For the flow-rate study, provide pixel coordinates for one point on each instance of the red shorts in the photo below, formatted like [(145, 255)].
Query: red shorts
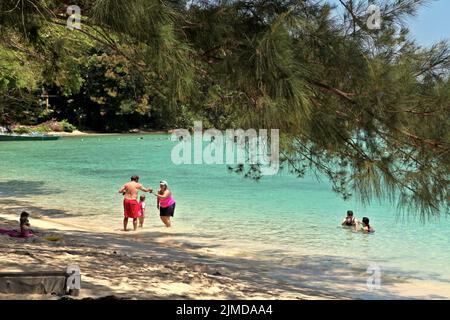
[(131, 208)]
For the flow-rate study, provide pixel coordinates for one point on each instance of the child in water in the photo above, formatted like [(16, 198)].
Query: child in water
[(366, 228), (141, 210)]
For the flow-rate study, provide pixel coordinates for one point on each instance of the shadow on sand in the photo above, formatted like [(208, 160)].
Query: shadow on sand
[(120, 261)]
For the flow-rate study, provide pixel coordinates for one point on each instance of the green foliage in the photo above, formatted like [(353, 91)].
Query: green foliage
[(18, 81), (41, 129), (46, 127), (67, 127), (22, 130)]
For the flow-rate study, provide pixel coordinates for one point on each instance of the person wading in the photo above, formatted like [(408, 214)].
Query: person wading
[(130, 202), (165, 203)]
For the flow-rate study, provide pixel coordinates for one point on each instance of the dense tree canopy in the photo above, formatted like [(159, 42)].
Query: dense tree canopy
[(368, 108)]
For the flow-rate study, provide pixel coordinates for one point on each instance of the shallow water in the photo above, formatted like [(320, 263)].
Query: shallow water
[(278, 219)]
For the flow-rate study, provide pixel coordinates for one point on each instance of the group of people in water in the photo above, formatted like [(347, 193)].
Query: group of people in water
[(135, 209), (351, 221), (165, 203)]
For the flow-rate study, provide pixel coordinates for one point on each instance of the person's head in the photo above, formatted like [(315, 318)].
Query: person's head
[(142, 197), (163, 185), (135, 178), (24, 217), (365, 221), (349, 214)]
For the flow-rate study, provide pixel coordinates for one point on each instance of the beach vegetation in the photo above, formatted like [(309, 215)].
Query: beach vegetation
[(66, 126), (22, 130)]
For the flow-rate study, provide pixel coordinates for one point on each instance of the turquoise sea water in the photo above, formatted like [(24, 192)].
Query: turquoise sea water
[(279, 216)]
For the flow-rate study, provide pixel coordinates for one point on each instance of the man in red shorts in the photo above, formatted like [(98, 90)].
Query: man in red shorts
[(130, 202)]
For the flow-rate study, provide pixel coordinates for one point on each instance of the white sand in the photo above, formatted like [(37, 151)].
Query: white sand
[(149, 264)]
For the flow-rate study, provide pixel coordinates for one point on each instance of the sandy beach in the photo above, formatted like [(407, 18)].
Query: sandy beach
[(152, 264), (129, 265)]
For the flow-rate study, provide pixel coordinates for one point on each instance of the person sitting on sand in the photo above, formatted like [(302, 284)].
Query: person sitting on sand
[(349, 220), (165, 203), (25, 231), (24, 224), (130, 203), (366, 228), (141, 210)]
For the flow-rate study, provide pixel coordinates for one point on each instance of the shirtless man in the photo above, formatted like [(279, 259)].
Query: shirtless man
[(130, 203)]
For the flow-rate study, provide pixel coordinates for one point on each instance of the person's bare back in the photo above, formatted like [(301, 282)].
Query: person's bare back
[(131, 188)]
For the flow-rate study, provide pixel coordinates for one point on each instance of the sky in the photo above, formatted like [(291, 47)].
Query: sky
[(432, 23)]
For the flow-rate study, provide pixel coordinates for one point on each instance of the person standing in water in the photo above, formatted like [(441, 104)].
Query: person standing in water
[(141, 210), (165, 203), (130, 204)]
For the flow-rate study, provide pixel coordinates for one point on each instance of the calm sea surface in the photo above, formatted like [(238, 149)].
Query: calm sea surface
[(280, 217)]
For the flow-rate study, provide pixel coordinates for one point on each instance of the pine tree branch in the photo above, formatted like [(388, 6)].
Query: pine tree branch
[(356, 20), (433, 65), (415, 112), (347, 97), (324, 87)]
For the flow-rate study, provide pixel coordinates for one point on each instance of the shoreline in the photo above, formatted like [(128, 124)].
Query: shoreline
[(126, 264), (78, 133), (153, 264)]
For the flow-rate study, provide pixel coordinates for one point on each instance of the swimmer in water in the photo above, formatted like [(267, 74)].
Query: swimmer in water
[(366, 228), (349, 220)]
